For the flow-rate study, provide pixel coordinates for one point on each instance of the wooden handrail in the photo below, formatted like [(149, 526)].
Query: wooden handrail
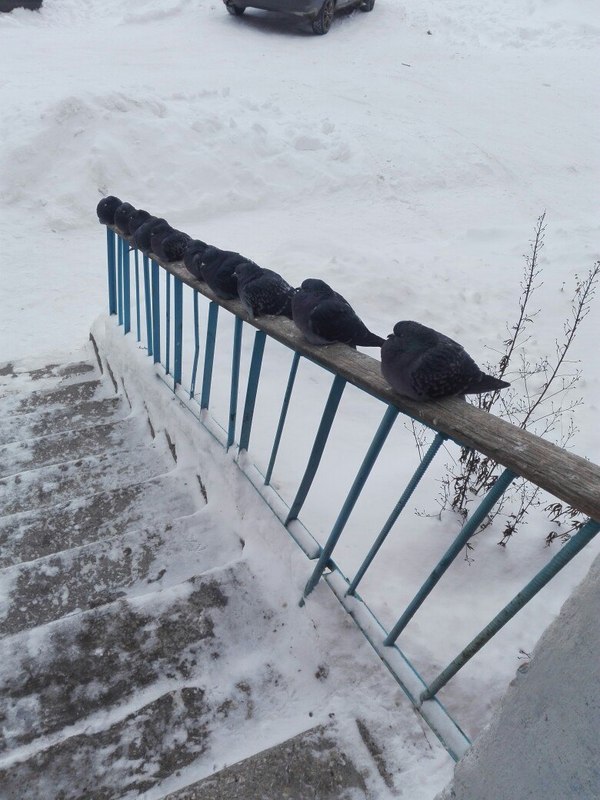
[(569, 477)]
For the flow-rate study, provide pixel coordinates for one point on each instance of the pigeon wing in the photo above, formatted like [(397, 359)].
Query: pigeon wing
[(269, 294), (444, 370), (334, 320)]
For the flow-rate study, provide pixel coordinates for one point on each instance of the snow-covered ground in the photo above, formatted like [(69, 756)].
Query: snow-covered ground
[(404, 158)]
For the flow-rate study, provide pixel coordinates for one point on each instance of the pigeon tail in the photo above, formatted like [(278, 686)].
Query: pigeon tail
[(485, 383), (370, 340)]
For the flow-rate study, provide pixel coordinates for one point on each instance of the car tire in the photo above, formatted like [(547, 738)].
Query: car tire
[(367, 5), (322, 22), (236, 11)]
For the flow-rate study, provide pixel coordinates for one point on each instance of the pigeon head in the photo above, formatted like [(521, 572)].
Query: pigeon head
[(211, 254), (137, 218), (195, 250), (122, 215), (316, 287), (106, 209), (414, 336)]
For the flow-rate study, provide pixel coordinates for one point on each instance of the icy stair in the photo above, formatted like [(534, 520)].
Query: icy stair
[(119, 614)]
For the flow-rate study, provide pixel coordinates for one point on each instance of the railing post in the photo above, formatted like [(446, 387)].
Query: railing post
[(369, 460), (552, 568), (329, 412), (209, 353), (126, 287), (196, 346), (178, 332), (235, 379), (167, 322), (253, 377), (112, 271), (119, 280), (155, 312), (137, 296), (412, 485), (483, 509), (282, 416), (148, 303)]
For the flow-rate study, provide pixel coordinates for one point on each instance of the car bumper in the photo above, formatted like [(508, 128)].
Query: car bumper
[(301, 7)]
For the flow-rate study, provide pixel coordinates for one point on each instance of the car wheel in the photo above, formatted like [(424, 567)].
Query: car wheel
[(322, 22), (367, 5), (237, 11)]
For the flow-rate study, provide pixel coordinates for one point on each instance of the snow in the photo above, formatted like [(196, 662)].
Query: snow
[(404, 158)]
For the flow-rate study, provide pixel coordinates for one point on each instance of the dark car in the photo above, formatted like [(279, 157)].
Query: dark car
[(319, 12)]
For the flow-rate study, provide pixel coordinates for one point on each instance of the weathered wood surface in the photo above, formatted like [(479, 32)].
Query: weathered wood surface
[(570, 478)]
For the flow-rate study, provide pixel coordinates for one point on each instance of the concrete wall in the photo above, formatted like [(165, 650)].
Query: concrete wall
[(544, 741)]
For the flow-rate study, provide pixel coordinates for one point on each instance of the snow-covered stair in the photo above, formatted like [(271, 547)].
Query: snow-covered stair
[(125, 612)]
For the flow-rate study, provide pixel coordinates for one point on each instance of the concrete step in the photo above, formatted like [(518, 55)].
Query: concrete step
[(20, 427), (28, 375), (124, 759), (131, 564), (56, 448), (48, 486), (308, 766), (31, 535), (56, 399), (59, 675)]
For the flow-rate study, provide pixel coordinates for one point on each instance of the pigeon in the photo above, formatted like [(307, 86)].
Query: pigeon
[(172, 246), (106, 209), (141, 238), (263, 291), (159, 232), (324, 317), (136, 219), (218, 268), (122, 215), (192, 257), (422, 364)]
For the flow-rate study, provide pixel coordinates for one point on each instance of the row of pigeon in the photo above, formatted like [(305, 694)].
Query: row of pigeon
[(417, 361)]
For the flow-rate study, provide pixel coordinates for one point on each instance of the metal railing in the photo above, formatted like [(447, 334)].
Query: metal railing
[(158, 325)]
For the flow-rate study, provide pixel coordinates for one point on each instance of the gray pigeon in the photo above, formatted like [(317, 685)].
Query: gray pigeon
[(172, 247), (106, 209), (142, 236), (192, 257), (159, 232), (263, 291), (325, 317), (122, 215), (217, 269), (136, 219), (421, 363)]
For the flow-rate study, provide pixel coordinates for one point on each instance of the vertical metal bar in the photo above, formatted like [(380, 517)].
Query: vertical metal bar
[(178, 329), (329, 412), (112, 272), (253, 376), (196, 346), (363, 473), (235, 378), (209, 353), (412, 485), (137, 296), (148, 303), (126, 287), (474, 521), (168, 322), (155, 312), (119, 280), (284, 409), (552, 568)]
